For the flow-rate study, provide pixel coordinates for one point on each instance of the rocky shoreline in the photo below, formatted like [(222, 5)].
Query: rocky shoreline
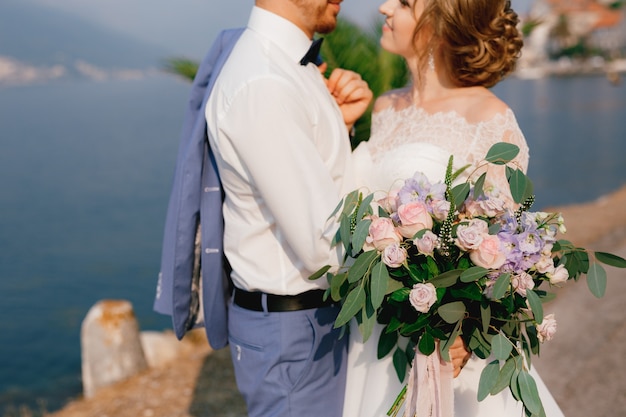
[(199, 382)]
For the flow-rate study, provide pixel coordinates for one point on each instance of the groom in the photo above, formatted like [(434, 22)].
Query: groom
[(278, 136)]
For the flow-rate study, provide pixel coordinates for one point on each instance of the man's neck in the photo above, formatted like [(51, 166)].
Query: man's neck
[(288, 10)]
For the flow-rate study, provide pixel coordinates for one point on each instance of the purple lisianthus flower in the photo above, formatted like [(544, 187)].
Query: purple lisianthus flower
[(419, 188), (529, 222), (530, 242), (510, 246)]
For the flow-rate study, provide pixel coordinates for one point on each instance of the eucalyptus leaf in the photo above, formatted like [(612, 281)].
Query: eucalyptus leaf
[(336, 283), (336, 210), (488, 379), (320, 272), (452, 312), (501, 347), (368, 320), (610, 259), (518, 183), (447, 279), (529, 392), (345, 230), (361, 265), (353, 304), (379, 284), (445, 344), (479, 185), (596, 280), (351, 202), (505, 376), (473, 274), (535, 305), (365, 207), (502, 153), (459, 171), (480, 343), (501, 286), (460, 193), (361, 231), (393, 286), (485, 317)]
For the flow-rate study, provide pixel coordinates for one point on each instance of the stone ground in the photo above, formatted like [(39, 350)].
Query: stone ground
[(583, 365)]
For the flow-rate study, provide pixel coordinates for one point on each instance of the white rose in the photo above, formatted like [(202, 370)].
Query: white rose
[(547, 328), (522, 282), (427, 243), (470, 236), (545, 265), (394, 255), (423, 296), (559, 275)]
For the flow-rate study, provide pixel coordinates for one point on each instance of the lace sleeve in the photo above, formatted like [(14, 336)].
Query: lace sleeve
[(505, 130)]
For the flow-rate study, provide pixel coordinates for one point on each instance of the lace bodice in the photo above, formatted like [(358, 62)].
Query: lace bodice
[(410, 139)]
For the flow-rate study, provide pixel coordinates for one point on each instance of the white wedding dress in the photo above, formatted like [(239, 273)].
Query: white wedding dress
[(404, 141)]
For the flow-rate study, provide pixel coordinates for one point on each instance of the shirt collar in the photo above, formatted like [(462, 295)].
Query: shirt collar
[(280, 31)]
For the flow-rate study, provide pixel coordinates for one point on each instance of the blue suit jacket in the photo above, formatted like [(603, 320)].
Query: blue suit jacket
[(195, 206)]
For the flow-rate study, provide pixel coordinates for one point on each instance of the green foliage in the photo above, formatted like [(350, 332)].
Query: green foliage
[(353, 48), (484, 306), (183, 67)]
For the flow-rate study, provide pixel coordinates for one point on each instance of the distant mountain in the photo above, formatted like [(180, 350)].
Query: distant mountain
[(40, 36)]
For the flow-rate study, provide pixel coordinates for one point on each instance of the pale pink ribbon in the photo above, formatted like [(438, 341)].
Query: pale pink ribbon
[(430, 392)]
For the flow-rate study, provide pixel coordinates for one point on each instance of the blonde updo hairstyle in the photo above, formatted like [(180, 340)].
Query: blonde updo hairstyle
[(476, 41)]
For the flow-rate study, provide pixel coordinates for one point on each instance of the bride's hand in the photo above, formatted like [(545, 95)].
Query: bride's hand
[(459, 355), (351, 93)]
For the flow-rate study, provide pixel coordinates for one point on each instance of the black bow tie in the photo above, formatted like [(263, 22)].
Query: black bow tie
[(313, 54)]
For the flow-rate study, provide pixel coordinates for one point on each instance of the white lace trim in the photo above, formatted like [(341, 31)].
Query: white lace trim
[(469, 142)]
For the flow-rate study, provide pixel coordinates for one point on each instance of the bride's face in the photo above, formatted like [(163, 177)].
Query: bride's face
[(398, 32)]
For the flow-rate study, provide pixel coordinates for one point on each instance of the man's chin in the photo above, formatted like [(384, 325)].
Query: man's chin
[(328, 25)]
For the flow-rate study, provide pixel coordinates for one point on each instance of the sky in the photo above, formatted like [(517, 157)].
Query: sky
[(187, 27)]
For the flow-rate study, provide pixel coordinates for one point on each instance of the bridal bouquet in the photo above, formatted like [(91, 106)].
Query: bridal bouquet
[(432, 261)]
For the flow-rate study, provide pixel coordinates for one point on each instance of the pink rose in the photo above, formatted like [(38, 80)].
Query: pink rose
[(522, 282), (491, 206), (414, 216), (547, 328), (489, 253), (394, 255), (382, 233), (423, 296), (389, 203), (559, 275), (440, 209), (427, 243), (470, 236)]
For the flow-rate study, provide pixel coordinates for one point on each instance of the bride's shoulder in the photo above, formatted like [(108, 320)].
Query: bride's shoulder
[(486, 106), (395, 99)]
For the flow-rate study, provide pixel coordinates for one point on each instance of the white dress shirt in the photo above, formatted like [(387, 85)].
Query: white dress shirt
[(283, 155)]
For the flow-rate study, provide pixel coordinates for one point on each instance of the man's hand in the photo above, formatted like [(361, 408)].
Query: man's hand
[(459, 355), (351, 93)]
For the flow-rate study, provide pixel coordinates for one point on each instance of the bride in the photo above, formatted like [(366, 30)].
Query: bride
[(455, 51)]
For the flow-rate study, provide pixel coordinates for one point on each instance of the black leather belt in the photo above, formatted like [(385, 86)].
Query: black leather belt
[(278, 303)]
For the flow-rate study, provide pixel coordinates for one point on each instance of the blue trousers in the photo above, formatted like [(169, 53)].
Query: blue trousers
[(289, 364)]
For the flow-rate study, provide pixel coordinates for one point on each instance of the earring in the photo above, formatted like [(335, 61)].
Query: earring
[(431, 60)]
